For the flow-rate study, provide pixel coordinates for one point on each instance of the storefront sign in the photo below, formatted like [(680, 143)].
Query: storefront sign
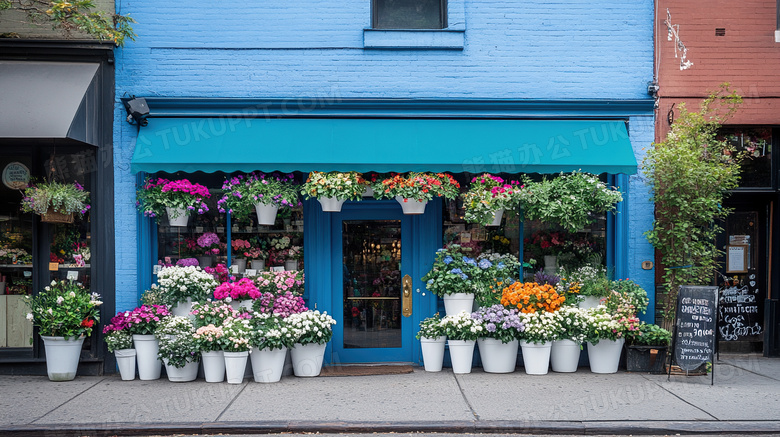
[(16, 176), (694, 340)]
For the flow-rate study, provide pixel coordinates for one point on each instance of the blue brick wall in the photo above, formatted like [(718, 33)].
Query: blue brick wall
[(513, 49)]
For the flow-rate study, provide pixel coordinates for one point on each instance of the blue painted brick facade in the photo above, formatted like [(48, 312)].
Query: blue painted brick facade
[(512, 49)]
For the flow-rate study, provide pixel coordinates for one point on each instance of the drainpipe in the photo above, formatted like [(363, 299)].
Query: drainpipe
[(777, 26)]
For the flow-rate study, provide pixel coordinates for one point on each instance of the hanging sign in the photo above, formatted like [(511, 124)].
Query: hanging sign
[(16, 176)]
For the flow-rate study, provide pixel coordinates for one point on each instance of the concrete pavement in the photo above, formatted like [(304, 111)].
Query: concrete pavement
[(745, 399)]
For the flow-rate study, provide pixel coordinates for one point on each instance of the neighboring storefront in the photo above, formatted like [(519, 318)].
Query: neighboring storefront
[(55, 124)]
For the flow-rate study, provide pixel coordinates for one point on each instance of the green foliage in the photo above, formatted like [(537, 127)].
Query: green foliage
[(488, 193), (179, 351), (649, 335), (64, 309), (62, 198), (691, 173), (75, 15), (116, 340), (342, 186), (451, 272), (431, 327)]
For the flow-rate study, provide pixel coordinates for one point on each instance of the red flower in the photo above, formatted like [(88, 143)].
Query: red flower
[(87, 323)]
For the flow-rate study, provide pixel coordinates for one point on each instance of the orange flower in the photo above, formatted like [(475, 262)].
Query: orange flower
[(530, 296)]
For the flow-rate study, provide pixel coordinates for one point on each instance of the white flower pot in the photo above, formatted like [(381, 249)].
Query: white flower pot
[(213, 366), (182, 374), (267, 364), (266, 214), (125, 360), (604, 357), (240, 264), (536, 357), (235, 366), (497, 216), (182, 309), (291, 265), (461, 355), (411, 206), (182, 216), (307, 359), (498, 357), (368, 192), (205, 261), (565, 356), (146, 349), (550, 264), (331, 204), (433, 352), (457, 302), (246, 304), (589, 302), (258, 264), (62, 357)]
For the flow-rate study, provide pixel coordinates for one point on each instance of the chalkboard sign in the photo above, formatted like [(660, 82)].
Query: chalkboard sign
[(741, 311), (694, 341)]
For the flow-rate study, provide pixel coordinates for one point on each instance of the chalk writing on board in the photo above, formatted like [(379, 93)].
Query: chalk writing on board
[(696, 324), (740, 315)]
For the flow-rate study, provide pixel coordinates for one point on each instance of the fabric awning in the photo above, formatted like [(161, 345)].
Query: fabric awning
[(383, 145), (49, 100)]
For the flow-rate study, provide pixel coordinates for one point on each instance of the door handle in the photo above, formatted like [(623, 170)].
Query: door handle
[(406, 299)]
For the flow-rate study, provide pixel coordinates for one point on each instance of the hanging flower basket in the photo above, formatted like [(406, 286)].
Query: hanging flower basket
[(56, 202), (488, 197), (334, 188), (52, 216), (414, 190)]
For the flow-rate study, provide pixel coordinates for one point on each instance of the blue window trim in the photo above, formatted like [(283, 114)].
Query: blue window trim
[(452, 37)]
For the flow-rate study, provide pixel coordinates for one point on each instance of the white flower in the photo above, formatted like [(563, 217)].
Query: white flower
[(30, 317), (53, 283), (49, 311), (60, 300), (72, 294)]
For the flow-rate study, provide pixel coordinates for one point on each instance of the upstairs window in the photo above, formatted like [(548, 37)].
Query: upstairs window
[(409, 14)]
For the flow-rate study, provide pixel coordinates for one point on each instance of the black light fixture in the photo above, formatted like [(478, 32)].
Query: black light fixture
[(137, 111)]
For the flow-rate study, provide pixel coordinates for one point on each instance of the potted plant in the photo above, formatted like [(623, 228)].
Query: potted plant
[(256, 257), (259, 192), (181, 286), (64, 313), (646, 348), (548, 245), (501, 327), (209, 245), (292, 256), (212, 313), (141, 323), (605, 336), (309, 333), (56, 202), (239, 294), (494, 271), (178, 349), (488, 197), (462, 333), (208, 340), (237, 334), (450, 277), (334, 188), (119, 341), (566, 348), (541, 329), (269, 347), (590, 283), (176, 198), (432, 340), (530, 297), (414, 190), (239, 247)]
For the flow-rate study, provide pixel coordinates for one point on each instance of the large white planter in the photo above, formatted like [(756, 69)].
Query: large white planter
[(62, 357), (213, 366), (497, 216), (258, 264), (498, 357), (182, 216), (457, 302), (589, 302), (536, 357), (146, 349), (433, 353), (461, 355), (182, 374), (604, 357), (182, 309), (125, 360), (291, 265), (331, 204), (307, 359), (268, 364), (235, 366), (564, 356), (411, 206), (550, 264), (266, 214)]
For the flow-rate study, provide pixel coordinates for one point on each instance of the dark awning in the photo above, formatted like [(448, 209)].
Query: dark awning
[(56, 100), (383, 145)]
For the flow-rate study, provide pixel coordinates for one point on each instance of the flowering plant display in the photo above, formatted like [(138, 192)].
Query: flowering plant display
[(243, 192), (64, 309), (62, 198), (212, 313), (417, 186), (15, 256), (631, 292), (187, 248), (117, 340), (451, 272), (310, 327), (294, 252), (488, 193), (586, 281), (281, 282), (245, 288), (494, 272), (237, 334), (179, 283), (648, 335), (540, 277), (240, 245), (142, 320), (282, 305), (540, 327), (572, 324), (256, 253), (544, 242), (269, 332), (499, 323), (462, 327), (569, 200), (279, 243), (173, 325), (342, 186), (176, 341), (530, 297), (600, 324), (431, 327), (186, 262), (155, 195), (209, 243), (220, 273), (152, 296), (208, 338)]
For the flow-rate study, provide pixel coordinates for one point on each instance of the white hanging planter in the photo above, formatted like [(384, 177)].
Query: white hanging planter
[(62, 357), (433, 352), (564, 356), (536, 357), (604, 357), (146, 349), (368, 192), (182, 216), (498, 357), (497, 216), (268, 364), (125, 360), (457, 302), (411, 206), (266, 214), (461, 355), (213, 366), (331, 204)]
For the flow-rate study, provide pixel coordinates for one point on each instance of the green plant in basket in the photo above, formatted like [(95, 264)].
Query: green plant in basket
[(649, 335), (431, 327), (62, 198), (342, 186)]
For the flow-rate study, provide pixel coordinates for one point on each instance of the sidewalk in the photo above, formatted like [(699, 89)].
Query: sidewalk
[(745, 399)]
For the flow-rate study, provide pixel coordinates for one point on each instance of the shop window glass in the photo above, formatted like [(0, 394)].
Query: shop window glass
[(756, 143), (409, 14)]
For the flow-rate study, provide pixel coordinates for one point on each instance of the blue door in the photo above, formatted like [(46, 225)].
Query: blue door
[(371, 255)]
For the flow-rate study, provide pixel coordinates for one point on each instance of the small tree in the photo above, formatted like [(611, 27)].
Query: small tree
[(691, 173)]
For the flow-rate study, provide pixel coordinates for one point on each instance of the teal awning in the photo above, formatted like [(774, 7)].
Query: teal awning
[(383, 145)]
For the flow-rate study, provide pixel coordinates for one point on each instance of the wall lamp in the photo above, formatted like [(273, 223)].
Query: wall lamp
[(137, 111)]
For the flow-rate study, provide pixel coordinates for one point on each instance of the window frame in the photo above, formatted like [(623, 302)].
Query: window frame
[(442, 18)]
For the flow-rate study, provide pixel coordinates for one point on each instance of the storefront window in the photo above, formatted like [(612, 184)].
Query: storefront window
[(756, 144)]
